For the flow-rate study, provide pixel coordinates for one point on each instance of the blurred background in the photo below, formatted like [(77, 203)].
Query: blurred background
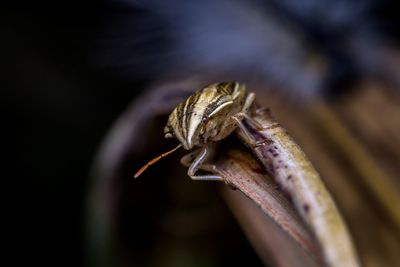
[(330, 71)]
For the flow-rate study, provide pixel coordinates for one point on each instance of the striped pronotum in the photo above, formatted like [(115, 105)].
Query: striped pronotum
[(206, 115)]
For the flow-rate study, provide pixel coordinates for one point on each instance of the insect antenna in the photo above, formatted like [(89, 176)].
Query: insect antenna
[(151, 162)]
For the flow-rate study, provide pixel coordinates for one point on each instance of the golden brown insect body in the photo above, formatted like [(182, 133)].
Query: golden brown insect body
[(207, 116)]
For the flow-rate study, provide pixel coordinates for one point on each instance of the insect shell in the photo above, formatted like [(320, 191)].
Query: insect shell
[(206, 115)]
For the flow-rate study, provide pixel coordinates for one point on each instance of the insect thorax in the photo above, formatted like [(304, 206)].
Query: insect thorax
[(206, 115)]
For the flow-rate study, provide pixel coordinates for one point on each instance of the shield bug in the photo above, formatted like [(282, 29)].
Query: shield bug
[(207, 116)]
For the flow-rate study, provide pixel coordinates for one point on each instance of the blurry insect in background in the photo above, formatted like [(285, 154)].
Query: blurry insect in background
[(207, 116)]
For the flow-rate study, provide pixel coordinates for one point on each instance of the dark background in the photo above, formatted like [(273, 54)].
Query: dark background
[(57, 109), (58, 102)]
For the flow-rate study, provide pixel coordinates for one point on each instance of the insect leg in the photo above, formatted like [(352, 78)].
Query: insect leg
[(253, 123), (198, 163), (238, 118), (188, 159), (248, 102), (244, 114)]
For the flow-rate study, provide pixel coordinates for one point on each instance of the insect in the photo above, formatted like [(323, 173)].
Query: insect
[(207, 116)]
